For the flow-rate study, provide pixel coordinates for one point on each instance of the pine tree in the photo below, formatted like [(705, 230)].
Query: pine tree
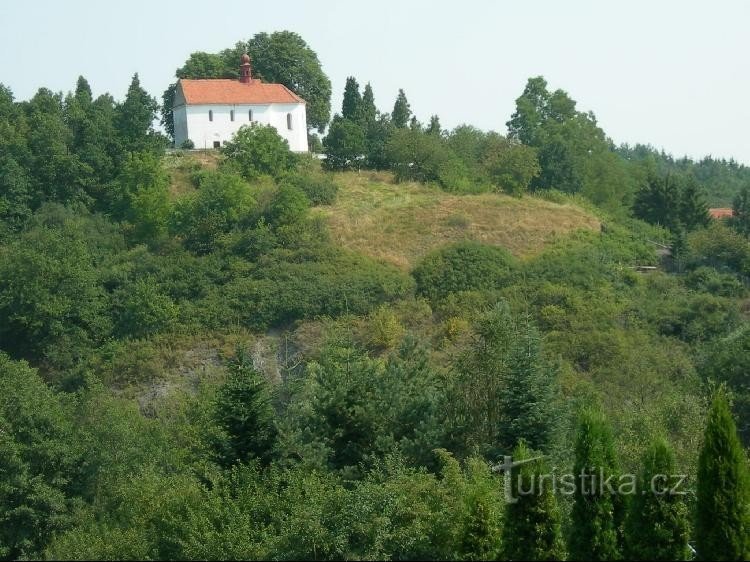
[(596, 511), (414, 124), (722, 529), (693, 209), (368, 111), (531, 529), (434, 127), (244, 411), (528, 388), (657, 524), (135, 118), (401, 111), (352, 104), (741, 209), (83, 92)]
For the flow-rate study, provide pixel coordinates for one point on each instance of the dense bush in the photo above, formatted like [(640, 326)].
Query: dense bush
[(284, 288), (463, 267), (257, 150), (320, 188)]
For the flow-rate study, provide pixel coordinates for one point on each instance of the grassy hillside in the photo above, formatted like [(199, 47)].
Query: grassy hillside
[(402, 222)]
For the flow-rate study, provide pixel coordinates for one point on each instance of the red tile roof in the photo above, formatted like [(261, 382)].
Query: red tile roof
[(720, 213), (222, 91)]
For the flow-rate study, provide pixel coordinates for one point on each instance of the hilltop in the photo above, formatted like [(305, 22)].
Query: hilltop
[(401, 222)]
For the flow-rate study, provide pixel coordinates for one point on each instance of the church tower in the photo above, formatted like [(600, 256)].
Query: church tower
[(245, 77)]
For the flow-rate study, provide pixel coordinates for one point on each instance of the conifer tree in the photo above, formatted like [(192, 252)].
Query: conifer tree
[(83, 92), (531, 529), (741, 209), (401, 111), (135, 118), (368, 111), (244, 411), (528, 389), (434, 127), (722, 529), (596, 511), (657, 524), (352, 104), (693, 209)]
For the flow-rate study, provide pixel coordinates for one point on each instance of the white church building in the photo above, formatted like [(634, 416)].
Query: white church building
[(209, 112)]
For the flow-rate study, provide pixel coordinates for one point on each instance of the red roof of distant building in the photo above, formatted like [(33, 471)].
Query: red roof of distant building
[(221, 91), (721, 213)]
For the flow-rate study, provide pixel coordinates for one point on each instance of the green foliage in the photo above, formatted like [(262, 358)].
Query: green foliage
[(597, 511), (344, 145), (401, 111), (350, 410), (222, 202), (288, 207), (244, 411), (49, 292), (289, 286), (722, 528), (283, 57), (672, 201), (319, 187), (719, 247), (503, 386), (351, 107), (463, 266), (657, 523), (723, 179), (531, 528), (143, 197), (39, 457), (416, 156), (257, 150), (134, 119), (510, 165), (143, 310)]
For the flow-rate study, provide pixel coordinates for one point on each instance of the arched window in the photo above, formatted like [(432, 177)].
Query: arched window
[(289, 121), (250, 115), (210, 114), (231, 114)]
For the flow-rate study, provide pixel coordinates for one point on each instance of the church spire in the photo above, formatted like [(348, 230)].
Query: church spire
[(245, 77)]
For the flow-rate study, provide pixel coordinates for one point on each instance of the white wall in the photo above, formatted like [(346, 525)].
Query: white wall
[(192, 122)]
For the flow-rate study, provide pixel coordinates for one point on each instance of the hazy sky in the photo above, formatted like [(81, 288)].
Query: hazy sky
[(673, 73)]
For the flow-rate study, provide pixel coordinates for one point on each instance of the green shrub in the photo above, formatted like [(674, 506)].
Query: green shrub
[(320, 188), (257, 150), (464, 266), (187, 144), (143, 310)]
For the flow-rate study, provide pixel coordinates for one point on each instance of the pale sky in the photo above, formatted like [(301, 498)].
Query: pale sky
[(672, 73)]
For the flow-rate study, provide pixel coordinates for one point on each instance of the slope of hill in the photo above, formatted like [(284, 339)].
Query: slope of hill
[(400, 223)]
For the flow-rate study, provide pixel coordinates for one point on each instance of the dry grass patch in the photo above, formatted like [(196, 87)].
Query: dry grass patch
[(182, 164), (400, 223)]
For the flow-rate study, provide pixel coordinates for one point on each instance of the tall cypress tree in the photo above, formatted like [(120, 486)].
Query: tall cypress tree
[(531, 529), (597, 513), (135, 118), (434, 127), (401, 111), (352, 104), (722, 529), (657, 523), (368, 111)]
